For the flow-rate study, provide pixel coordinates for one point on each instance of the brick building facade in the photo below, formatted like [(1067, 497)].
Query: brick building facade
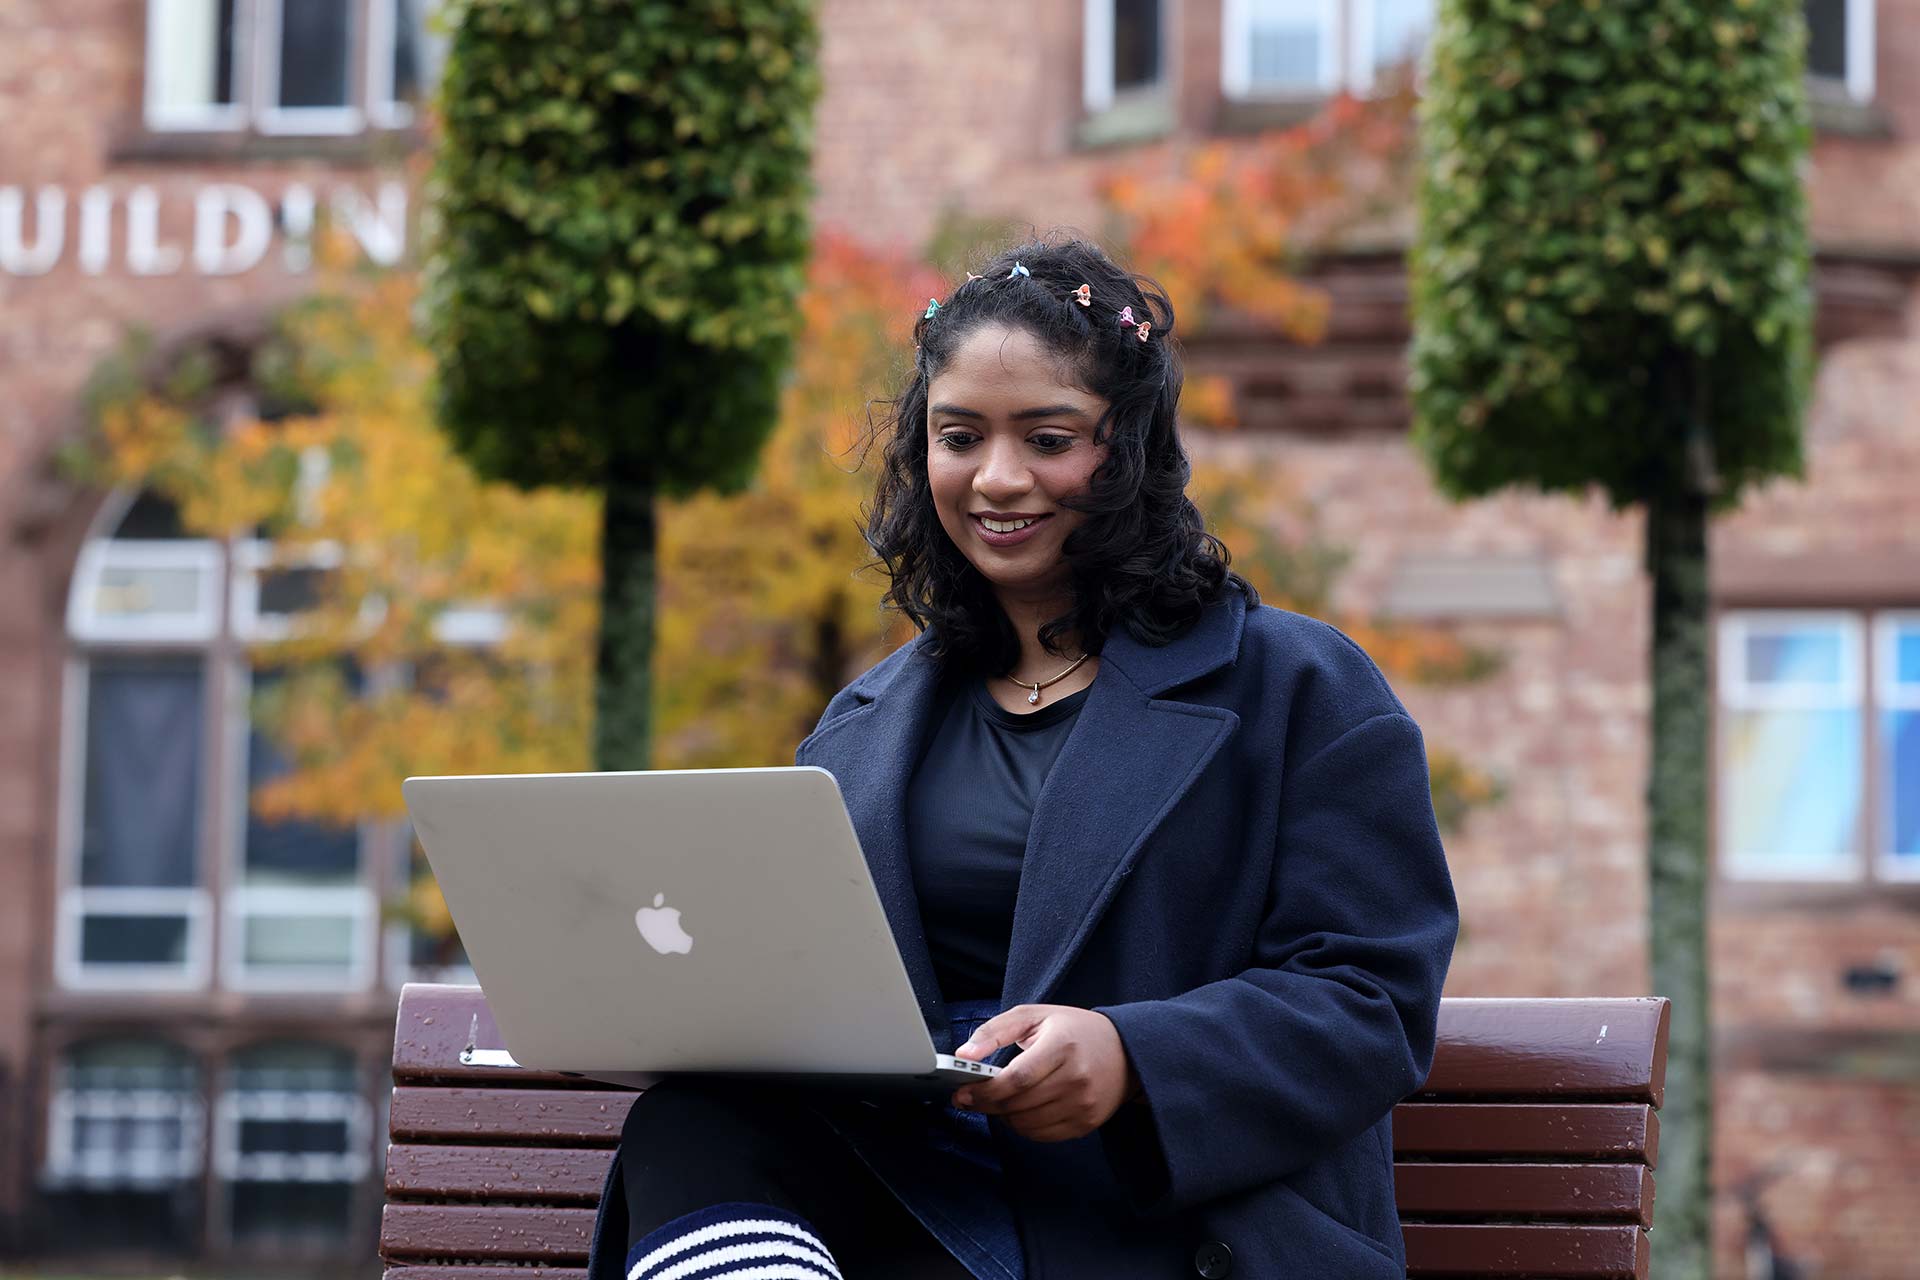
[(207, 1048)]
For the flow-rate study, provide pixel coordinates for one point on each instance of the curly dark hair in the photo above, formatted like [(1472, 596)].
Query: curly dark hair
[(1142, 558)]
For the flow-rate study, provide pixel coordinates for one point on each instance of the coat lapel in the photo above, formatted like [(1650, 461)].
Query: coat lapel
[(1129, 759), (870, 751)]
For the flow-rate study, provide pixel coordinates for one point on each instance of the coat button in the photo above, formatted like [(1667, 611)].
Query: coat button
[(1213, 1260)]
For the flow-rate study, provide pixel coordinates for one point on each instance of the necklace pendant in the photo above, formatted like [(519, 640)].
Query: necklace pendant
[(1034, 696)]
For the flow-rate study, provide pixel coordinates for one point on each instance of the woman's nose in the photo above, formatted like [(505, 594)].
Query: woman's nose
[(1002, 471)]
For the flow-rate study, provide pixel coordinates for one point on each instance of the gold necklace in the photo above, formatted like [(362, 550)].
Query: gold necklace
[(1034, 696)]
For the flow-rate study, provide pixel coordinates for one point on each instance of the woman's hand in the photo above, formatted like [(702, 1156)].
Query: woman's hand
[(1071, 1076)]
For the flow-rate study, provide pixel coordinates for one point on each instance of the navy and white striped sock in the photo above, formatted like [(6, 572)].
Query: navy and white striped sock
[(739, 1240)]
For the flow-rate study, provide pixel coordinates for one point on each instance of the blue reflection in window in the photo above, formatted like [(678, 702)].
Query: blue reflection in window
[(1900, 732), (1793, 790), (1906, 655), (1793, 657)]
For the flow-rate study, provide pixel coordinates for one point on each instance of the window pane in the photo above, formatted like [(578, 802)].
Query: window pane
[(1827, 38), (1900, 734), (126, 1114), (1906, 657), (315, 49), (293, 1152), (191, 54), (1792, 786), (1400, 30), (1136, 43), (312, 942), (292, 852), (294, 1137), (1284, 44), (1795, 655), (128, 939), (142, 787)]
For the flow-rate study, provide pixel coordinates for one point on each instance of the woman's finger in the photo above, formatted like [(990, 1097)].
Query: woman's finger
[(1017, 1094), (1007, 1027)]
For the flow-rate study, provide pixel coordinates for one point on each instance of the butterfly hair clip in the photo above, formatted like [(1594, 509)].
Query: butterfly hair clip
[(1019, 269), (1084, 295), (933, 305)]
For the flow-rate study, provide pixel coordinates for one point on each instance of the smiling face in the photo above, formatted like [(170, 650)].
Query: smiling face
[(1008, 436)]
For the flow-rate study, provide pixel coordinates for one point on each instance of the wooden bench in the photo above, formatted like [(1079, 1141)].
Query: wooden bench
[(1529, 1151)]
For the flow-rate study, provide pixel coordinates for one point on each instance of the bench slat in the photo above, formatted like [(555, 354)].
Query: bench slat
[(1596, 1050), (436, 1022), (566, 1175), (543, 1117), (1566, 1253), (484, 1273), (485, 1233), (1560, 1192), (1595, 1130)]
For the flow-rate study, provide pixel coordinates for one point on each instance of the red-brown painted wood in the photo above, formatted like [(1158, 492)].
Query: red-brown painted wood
[(1569, 1050), (1554, 1192), (492, 1117), (485, 1233), (436, 1022), (508, 1175), (1561, 1252), (443, 1272), (1593, 1131)]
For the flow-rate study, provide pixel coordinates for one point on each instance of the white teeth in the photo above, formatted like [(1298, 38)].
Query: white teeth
[(1004, 526)]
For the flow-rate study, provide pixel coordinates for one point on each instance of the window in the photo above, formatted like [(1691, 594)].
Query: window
[(1819, 745), (423, 946), (144, 810), (1125, 51), (125, 1129), (288, 66), (292, 1137), (299, 915), (1840, 47), (1310, 48), (132, 912)]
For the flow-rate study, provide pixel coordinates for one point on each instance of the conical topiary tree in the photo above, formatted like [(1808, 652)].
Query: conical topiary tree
[(1610, 288), (621, 229)]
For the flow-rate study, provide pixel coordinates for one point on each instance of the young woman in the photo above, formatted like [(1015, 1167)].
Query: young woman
[(1165, 853)]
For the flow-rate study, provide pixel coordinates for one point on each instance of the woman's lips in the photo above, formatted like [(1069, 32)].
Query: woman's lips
[(1018, 536)]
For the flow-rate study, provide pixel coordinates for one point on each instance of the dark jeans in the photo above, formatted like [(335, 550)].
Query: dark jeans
[(689, 1143)]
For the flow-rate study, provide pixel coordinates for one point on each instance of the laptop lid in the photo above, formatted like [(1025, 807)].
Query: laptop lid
[(672, 920)]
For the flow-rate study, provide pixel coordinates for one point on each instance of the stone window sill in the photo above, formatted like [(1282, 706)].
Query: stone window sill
[(1128, 122), (139, 145), (1257, 115)]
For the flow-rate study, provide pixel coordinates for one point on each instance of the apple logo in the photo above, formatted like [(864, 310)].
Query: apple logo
[(660, 926)]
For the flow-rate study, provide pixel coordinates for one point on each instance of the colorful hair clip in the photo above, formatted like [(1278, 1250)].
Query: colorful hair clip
[(1084, 295), (1019, 269), (972, 277), (1141, 332), (1126, 316), (933, 305)]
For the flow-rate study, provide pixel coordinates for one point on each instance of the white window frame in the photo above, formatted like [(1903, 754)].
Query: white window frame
[(77, 901), (1096, 57), (307, 121), (401, 970), (1236, 53), (1890, 695), (199, 556), (250, 557), (383, 29), (210, 118), (242, 904), (1858, 80), (236, 1105), (64, 1166), (1361, 73), (1736, 693)]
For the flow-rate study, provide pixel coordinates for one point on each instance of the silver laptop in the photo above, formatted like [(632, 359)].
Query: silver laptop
[(628, 925)]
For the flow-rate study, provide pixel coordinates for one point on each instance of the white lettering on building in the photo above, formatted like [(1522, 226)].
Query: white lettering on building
[(233, 228)]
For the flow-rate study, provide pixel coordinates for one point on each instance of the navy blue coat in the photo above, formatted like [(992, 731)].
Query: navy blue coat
[(1235, 859)]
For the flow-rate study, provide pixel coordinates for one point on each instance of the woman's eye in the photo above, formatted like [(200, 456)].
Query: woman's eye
[(956, 440), (1053, 444)]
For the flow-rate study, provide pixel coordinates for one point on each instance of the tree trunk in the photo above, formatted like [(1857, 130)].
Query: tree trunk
[(623, 687), (1677, 865)]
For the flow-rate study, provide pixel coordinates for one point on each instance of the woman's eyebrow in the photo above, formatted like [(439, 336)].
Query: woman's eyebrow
[(1018, 415)]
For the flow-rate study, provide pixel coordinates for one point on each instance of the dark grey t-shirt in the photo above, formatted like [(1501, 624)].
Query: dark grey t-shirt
[(969, 806)]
